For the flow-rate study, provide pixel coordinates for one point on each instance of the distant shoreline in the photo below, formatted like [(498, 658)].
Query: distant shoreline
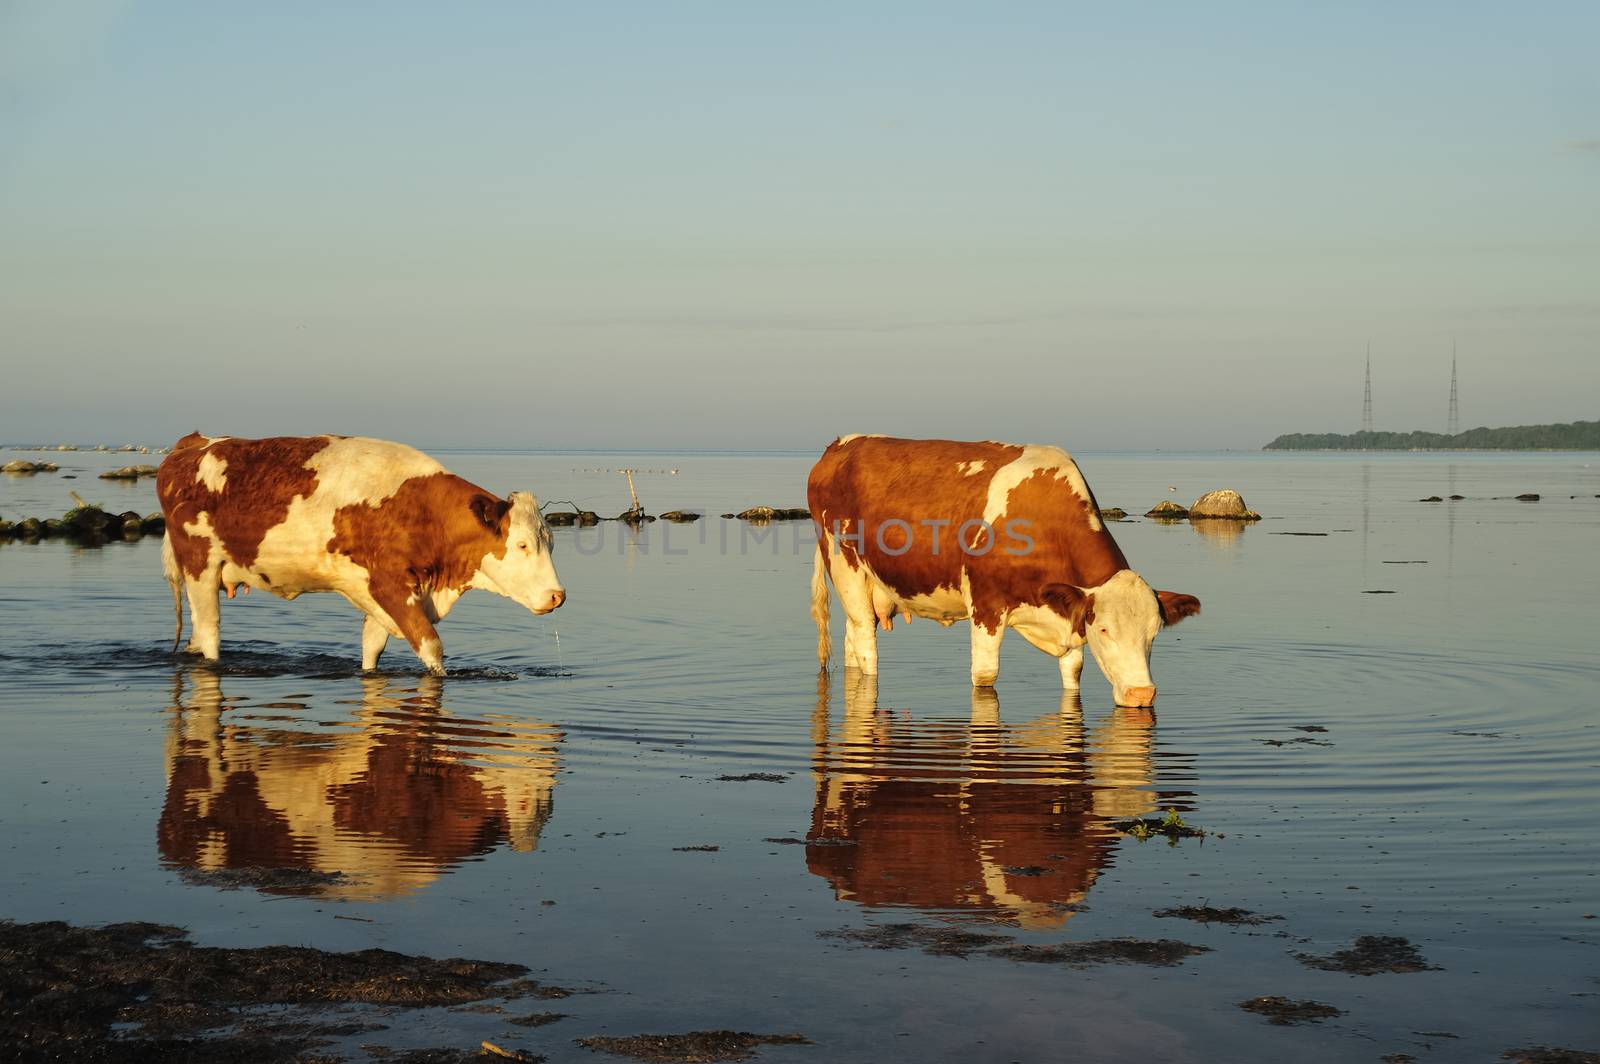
[(1569, 436)]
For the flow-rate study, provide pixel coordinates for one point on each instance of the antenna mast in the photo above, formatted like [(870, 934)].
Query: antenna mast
[(1454, 424), (1366, 400)]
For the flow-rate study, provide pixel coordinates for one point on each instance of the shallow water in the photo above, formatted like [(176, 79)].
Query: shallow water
[(529, 807)]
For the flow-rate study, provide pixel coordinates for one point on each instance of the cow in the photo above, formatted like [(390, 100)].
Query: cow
[(1006, 535), (384, 525)]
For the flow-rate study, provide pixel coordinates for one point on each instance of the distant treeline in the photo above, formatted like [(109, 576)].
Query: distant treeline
[(1576, 436)]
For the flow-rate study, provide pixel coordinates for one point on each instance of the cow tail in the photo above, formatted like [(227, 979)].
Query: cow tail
[(819, 603), (169, 568)]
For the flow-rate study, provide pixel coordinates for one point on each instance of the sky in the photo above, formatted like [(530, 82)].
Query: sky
[(755, 225)]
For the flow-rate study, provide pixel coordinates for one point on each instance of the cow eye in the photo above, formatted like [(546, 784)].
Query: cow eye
[(522, 546)]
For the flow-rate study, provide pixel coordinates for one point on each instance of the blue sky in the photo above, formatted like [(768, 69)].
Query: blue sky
[(759, 225)]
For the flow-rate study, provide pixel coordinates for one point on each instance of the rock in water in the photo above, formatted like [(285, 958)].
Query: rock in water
[(1113, 513), (773, 513), (680, 516), (129, 472), (28, 468), (1225, 503), (1168, 509)]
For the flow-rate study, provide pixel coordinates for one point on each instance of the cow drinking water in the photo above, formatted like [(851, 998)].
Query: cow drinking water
[(1006, 535)]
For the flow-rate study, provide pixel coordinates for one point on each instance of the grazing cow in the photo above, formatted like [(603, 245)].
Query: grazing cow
[(382, 524), (1006, 535)]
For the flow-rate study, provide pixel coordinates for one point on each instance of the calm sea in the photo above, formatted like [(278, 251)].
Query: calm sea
[(1418, 763)]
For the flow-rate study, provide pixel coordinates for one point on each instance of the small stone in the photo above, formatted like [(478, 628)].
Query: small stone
[(1528, 496), (1167, 509)]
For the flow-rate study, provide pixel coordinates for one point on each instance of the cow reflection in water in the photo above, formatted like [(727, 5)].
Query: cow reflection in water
[(389, 800), (1011, 821)]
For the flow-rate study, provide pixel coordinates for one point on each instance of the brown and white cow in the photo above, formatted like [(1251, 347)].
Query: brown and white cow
[(1006, 535), (380, 523)]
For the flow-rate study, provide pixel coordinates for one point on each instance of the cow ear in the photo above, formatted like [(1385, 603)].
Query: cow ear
[(490, 511), (1175, 606), (1075, 604)]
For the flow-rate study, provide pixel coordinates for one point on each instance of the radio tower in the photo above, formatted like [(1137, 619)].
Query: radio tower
[(1366, 400), (1454, 423)]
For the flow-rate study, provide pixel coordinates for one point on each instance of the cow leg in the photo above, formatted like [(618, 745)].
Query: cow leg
[(854, 589), (374, 637), (986, 654), (1071, 668), (861, 645), (205, 611), (409, 616)]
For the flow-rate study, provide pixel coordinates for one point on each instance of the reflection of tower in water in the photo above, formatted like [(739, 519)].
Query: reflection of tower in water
[(940, 815), (388, 801), (1450, 521), (1366, 512)]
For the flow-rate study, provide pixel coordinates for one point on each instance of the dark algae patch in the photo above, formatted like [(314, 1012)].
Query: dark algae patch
[(937, 941), (692, 1047), (1159, 952), (953, 942), (1549, 1055), (268, 880), (536, 1019), (1285, 1013), (755, 777), (63, 989), (1372, 955), (1205, 914)]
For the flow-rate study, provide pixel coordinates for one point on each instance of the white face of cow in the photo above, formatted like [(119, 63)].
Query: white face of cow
[(526, 573), (1119, 620), (1120, 629)]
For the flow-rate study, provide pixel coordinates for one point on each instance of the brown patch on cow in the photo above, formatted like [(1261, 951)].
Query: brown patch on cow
[(1075, 605), (430, 535), (862, 485), (1176, 606), (264, 477)]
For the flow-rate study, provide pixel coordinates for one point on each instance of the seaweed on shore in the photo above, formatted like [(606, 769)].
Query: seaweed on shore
[(143, 992)]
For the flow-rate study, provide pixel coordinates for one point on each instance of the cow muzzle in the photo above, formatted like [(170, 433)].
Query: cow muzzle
[(552, 601), (1137, 697)]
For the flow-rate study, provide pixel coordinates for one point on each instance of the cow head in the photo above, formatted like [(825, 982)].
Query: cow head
[(1119, 620), (520, 566)]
